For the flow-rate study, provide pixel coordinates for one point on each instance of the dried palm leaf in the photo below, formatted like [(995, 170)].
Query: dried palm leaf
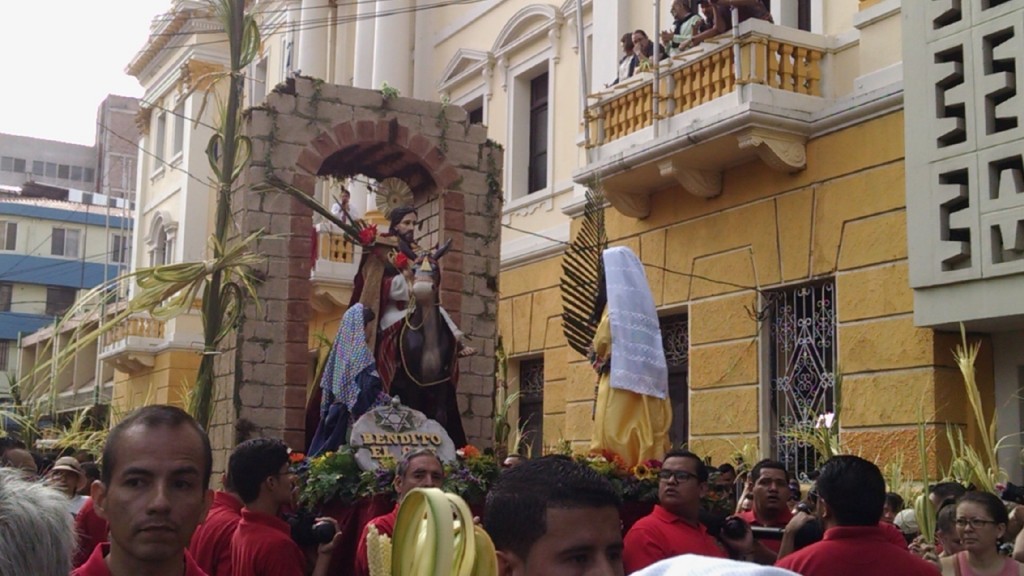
[(581, 275)]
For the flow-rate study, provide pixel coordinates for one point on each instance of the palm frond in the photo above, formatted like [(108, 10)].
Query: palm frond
[(581, 274)]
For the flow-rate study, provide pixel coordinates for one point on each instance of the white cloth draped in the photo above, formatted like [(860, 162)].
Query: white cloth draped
[(638, 357)]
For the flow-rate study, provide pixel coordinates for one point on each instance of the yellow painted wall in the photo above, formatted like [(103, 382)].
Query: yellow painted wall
[(168, 382), (843, 217)]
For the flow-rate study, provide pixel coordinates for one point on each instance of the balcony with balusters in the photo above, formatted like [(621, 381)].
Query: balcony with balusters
[(334, 269), (131, 346), (752, 94)]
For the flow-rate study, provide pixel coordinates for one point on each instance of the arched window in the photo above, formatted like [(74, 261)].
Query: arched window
[(161, 239)]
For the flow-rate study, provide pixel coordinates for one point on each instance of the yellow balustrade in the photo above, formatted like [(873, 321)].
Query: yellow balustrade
[(701, 78), (781, 65), (628, 112), (140, 326), (701, 81), (334, 247)]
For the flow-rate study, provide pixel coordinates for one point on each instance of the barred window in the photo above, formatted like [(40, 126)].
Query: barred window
[(531, 403), (802, 337)]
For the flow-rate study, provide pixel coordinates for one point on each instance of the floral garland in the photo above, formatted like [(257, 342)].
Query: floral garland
[(335, 476)]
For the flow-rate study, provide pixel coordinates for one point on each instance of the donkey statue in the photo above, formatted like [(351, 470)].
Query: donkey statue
[(427, 368)]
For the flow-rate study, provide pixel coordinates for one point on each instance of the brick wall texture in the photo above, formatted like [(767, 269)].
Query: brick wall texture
[(308, 130)]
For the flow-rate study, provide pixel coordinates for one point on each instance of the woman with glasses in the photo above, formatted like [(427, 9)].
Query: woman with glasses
[(981, 520)]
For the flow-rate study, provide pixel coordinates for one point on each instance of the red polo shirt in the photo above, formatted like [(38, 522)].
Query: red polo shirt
[(92, 531), (660, 535), (211, 542), (96, 565), (780, 522), (385, 525), (856, 551), (263, 546)]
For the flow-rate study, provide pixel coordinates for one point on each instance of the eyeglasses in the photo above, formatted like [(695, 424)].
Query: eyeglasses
[(974, 522), (679, 475)]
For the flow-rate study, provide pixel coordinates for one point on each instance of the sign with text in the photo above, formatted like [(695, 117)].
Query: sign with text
[(392, 430)]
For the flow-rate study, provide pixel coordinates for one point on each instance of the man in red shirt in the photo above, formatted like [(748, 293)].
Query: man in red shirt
[(769, 483), (211, 544), (673, 528), (262, 544), (419, 468), (851, 493), (153, 491), (92, 531)]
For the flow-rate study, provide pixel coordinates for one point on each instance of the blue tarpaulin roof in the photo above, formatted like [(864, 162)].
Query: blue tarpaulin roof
[(62, 215), (14, 323), (53, 271)]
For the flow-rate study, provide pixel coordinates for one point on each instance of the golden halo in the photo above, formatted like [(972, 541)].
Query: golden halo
[(393, 193)]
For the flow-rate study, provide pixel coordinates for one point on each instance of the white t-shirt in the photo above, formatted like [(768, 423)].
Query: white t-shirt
[(76, 502)]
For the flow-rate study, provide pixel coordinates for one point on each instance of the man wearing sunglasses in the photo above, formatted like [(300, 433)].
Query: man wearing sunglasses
[(673, 528)]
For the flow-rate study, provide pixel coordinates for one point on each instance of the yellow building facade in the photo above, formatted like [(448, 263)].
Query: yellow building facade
[(754, 174)]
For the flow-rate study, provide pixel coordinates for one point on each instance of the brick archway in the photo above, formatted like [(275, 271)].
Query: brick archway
[(306, 130)]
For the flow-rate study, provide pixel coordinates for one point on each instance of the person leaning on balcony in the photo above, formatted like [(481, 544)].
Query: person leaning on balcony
[(720, 19), (628, 62), (684, 27), (643, 52)]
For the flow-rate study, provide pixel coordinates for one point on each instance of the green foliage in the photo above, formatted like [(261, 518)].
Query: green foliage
[(442, 124), (389, 92), (471, 475), (981, 467), (334, 476)]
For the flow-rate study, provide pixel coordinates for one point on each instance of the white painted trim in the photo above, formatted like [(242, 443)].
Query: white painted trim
[(550, 18), (818, 17), (569, 7), (872, 14), (844, 41), (512, 73), (528, 249), (478, 60), (158, 88), (479, 91)]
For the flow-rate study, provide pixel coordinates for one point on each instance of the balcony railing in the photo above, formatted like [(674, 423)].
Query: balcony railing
[(748, 95), (132, 345), (334, 270), (754, 55), (334, 247), (137, 326)]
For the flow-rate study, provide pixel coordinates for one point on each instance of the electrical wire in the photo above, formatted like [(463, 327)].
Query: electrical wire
[(316, 23)]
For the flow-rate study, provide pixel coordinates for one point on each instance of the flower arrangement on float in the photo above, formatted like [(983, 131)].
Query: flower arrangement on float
[(336, 477)]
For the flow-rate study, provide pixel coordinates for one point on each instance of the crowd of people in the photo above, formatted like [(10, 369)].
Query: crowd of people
[(151, 511), (693, 22)]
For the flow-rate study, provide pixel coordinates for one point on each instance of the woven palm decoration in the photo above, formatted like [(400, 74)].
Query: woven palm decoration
[(581, 272), (393, 193)]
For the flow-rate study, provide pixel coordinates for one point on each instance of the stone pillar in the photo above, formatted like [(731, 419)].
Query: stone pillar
[(611, 21), (313, 33), (362, 68), (393, 39)]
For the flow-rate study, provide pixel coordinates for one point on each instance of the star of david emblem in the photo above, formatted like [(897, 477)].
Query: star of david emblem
[(394, 417)]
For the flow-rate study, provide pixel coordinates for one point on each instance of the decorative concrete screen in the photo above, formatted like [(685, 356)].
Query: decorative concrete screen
[(964, 113)]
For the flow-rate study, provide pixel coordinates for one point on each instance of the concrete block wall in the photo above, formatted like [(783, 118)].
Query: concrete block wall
[(306, 130)]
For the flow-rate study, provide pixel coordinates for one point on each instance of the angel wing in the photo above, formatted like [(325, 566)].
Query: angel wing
[(581, 272)]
